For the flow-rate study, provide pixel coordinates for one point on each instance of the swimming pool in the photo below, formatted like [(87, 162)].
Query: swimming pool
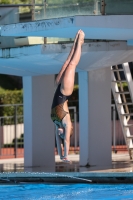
[(37, 191)]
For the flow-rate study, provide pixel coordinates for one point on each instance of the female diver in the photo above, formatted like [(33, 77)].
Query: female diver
[(65, 84)]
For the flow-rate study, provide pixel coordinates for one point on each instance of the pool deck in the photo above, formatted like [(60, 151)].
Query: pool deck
[(121, 171)]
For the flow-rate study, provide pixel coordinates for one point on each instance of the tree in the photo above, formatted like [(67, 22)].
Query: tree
[(5, 2)]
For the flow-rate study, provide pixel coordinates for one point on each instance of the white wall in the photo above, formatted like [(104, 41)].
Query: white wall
[(9, 132)]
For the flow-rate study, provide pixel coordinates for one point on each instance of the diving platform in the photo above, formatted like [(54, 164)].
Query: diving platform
[(108, 42), (102, 27), (43, 59)]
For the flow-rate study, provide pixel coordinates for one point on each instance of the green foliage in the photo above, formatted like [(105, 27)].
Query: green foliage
[(22, 1), (14, 1), (11, 97), (124, 86), (74, 96), (5, 2), (68, 1), (48, 1), (18, 141)]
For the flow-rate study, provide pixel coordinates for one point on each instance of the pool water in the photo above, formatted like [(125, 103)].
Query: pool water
[(66, 191)]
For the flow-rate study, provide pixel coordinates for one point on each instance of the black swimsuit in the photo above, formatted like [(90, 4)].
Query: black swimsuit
[(57, 111)]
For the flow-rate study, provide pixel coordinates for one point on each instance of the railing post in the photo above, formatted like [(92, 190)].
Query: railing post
[(102, 9), (75, 128), (0, 137), (33, 10), (44, 9), (15, 131), (45, 39), (114, 129)]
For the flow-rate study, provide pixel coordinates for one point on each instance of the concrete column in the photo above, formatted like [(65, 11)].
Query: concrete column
[(39, 138), (95, 117), (83, 117)]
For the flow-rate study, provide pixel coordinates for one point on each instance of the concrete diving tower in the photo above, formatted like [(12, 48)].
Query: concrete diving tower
[(111, 44), (112, 27)]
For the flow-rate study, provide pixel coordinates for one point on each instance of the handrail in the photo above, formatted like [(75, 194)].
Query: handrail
[(4, 117), (5, 105), (23, 5), (46, 4)]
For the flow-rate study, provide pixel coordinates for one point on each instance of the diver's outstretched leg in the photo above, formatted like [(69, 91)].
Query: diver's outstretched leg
[(67, 82), (59, 76)]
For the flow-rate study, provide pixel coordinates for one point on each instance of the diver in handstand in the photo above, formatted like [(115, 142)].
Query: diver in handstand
[(65, 84)]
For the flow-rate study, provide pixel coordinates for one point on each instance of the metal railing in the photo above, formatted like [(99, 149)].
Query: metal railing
[(52, 9), (75, 125), (114, 128), (46, 10), (12, 132), (118, 140)]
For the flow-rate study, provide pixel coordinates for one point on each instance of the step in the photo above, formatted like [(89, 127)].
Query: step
[(125, 92), (131, 148), (128, 125), (127, 114), (117, 70), (130, 137), (130, 103), (122, 81)]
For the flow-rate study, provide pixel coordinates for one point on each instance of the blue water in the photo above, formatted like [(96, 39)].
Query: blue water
[(66, 191)]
